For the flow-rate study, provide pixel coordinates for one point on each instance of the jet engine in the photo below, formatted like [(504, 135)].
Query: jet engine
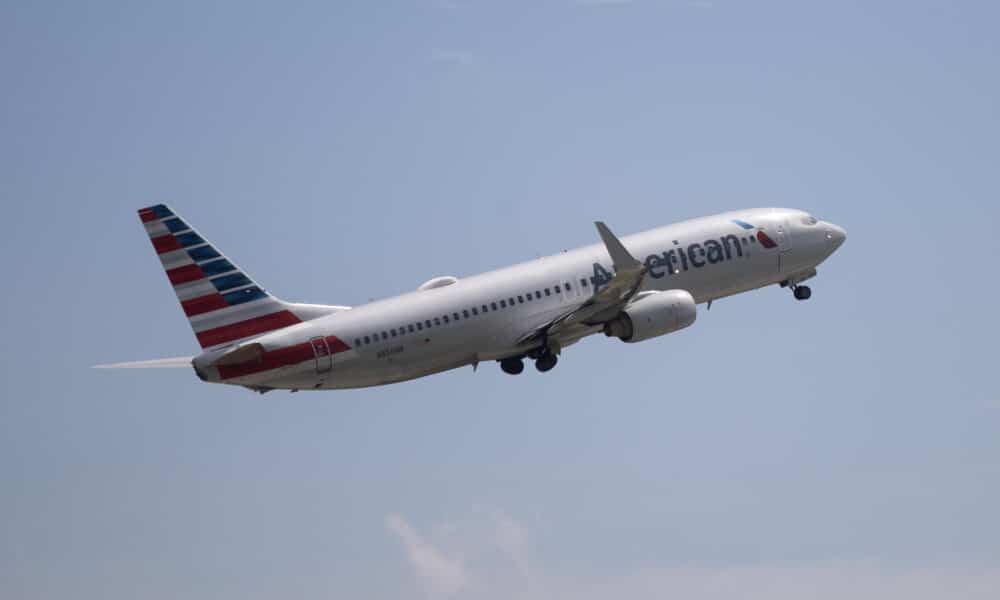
[(653, 314)]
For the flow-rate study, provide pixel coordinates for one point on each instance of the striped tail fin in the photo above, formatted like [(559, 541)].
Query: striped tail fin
[(222, 303)]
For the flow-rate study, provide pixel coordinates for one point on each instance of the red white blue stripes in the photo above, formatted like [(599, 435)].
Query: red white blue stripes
[(222, 303)]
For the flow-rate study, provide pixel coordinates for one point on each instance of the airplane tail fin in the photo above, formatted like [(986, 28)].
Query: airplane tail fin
[(222, 303)]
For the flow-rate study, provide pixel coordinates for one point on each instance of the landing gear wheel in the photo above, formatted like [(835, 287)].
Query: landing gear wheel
[(801, 292), (512, 366), (545, 362)]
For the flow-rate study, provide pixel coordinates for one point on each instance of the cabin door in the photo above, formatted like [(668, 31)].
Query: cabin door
[(324, 360), (784, 239), (784, 244)]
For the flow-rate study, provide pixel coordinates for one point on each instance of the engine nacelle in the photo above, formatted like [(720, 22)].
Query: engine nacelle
[(652, 315)]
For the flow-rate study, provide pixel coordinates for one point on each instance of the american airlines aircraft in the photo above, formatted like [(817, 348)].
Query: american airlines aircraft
[(640, 287)]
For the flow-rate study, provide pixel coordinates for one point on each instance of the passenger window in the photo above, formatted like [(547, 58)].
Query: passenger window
[(503, 304), (368, 340), (437, 321), (475, 311), (465, 313), (583, 283), (444, 318), (420, 326), (493, 305), (485, 310), (538, 295), (393, 332), (557, 288), (520, 299), (427, 323), (548, 292), (385, 336), (409, 328), (455, 316), (510, 301), (357, 341), (566, 285)]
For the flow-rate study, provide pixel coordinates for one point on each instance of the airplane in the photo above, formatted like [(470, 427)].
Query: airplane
[(635, 288)]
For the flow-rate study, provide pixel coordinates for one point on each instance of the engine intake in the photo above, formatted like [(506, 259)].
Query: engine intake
[(653, 315)]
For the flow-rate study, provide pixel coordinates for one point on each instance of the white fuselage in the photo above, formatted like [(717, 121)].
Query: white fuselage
[(389, 341)]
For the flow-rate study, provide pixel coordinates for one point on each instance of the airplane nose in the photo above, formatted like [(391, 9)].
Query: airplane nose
[(835, 235)]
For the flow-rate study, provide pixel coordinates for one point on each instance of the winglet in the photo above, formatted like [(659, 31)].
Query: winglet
[(620, 257)]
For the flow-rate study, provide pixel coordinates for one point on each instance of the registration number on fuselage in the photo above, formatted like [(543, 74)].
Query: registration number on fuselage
[(389, 352)]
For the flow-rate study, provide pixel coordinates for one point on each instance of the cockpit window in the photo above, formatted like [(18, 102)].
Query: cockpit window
[(809, 220)]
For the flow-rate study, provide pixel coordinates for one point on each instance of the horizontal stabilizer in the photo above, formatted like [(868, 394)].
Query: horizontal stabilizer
[(177, 362)]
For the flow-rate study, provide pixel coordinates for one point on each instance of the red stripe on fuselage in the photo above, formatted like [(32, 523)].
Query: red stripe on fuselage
[(235, 331), (185, 274), (203, 304), (336, 344), (166, 243), (281, 357)]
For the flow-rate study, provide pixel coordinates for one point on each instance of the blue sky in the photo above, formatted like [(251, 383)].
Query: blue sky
[(340, 152)]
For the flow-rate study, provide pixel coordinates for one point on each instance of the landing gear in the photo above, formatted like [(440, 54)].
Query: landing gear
[(544, 358), (545, 362), (801, 292), (512, 366)]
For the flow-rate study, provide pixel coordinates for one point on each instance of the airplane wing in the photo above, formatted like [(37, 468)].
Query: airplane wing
[(606, 302), (177, 362)]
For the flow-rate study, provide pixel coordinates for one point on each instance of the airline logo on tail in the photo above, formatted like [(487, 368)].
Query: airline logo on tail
[(221, 302)]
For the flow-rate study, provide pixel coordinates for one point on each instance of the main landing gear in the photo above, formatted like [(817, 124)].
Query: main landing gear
[(512, 366), (801, 292), (544, 361)]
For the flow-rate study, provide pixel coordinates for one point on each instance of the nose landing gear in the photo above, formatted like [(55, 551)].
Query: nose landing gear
[(801, 292)]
